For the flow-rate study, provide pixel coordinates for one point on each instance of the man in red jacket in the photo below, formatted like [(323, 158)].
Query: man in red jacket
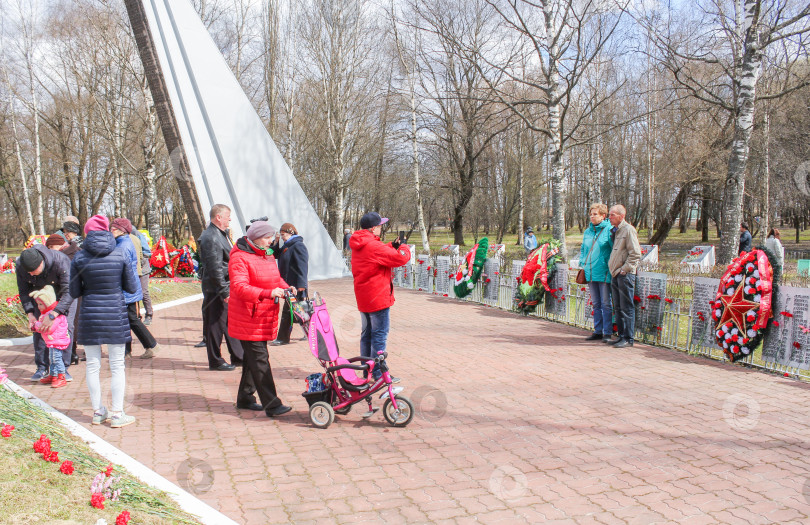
[(372, 262)]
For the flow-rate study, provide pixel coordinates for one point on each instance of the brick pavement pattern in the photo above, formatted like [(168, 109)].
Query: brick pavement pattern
[(518, 421)]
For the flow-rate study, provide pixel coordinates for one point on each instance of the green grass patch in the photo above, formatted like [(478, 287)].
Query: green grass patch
[(14, 322), (42, 494)]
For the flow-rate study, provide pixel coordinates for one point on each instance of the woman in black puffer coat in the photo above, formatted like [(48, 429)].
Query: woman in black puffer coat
[(293, 265), (99, 274)]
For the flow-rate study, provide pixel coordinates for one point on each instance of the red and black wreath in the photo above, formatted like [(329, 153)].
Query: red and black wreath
[(743, 306)]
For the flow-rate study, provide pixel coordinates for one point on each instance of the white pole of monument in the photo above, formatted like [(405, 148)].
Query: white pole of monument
[(220, 149)]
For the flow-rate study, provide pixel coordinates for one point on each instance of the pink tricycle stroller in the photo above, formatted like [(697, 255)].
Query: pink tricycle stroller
[(340, 386)]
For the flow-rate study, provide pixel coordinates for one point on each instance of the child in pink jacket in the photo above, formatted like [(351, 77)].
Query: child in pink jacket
[(56, 337)]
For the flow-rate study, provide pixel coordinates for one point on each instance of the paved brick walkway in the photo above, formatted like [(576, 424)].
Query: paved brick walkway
[(518, 422)]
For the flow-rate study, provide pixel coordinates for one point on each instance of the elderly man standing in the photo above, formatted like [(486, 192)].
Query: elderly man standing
[(622, 266), (215, 253), (37, 267)]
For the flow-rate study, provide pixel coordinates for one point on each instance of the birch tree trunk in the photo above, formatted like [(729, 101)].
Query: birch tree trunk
[(558, 189), (37, 147), (23, 181), (417, 183), (750, 70), (521, 201), (149, 177), (766, 180)]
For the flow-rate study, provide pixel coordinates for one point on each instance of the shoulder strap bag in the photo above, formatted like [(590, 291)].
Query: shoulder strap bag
[(581, 279)]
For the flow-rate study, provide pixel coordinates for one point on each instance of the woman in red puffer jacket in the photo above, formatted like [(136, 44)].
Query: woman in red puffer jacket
[(253, 315)]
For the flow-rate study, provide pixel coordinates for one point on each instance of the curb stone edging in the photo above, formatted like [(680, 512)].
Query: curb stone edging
[(188, 502), (21, 341)]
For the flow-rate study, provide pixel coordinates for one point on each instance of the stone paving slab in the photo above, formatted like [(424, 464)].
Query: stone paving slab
[(518, 421)]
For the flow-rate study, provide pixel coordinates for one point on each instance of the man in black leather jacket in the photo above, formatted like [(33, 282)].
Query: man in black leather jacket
[(214, 249)]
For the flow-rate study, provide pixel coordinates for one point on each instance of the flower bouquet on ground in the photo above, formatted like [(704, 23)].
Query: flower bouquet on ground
[(743, 307), (161, 260), (470, 268), (533, 282)]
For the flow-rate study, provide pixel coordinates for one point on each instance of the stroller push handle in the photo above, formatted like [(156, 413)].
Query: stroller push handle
[(352, 367)]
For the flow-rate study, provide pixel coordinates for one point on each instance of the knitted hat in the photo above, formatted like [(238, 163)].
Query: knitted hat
[(288, 227), (260, 229), (97, 223), (30, 259), (72, 227), (55, 240), (372, 219), (47, 295), (123, 224)]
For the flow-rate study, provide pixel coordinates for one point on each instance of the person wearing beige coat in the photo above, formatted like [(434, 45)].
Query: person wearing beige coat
[(623, 262)]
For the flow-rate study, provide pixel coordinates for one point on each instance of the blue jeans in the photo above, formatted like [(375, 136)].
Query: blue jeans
[(622, 288), (374, 335), (57, 364), (602, 311)]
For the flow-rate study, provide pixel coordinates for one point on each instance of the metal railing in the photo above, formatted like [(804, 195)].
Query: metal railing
[(674, 331)]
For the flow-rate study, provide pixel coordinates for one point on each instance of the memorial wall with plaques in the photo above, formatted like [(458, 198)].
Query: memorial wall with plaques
[(557, 303), (443, 274), (704, 291), (491, 278), (651, 289), (423, 271), (789, 343)]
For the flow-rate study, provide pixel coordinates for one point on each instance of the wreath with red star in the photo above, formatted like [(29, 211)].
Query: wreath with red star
[(743, 307), (533, 282), (161, 259), (470, 268)]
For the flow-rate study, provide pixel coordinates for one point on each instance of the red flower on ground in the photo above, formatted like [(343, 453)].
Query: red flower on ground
[(6, 432), (97, 500), (122, 518), (66, 467), (42, 445), (51, 455), (109, 470)]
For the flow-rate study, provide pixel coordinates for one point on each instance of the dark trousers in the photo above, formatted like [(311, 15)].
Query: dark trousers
[(285, 325), (257, 377), (215, 323), (147, 299), (139, 329), (622, 288)]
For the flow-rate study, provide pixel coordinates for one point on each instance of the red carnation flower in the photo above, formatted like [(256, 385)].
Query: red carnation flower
[(109, 470), (97, 500), (66, 467), (636, 298), (776, 323), (667, 299), (786, 314), (796, 344), (122, 518), (6, 432), (51, 455)]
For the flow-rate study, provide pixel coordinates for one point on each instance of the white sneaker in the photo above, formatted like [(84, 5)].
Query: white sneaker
[(121, 420), (100, 416)]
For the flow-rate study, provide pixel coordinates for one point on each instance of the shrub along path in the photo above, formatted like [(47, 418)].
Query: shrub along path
[(519, 421)]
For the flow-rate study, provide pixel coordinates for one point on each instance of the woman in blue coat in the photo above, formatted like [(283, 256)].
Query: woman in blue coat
[(593, 258), (293, 265), (100, 274)]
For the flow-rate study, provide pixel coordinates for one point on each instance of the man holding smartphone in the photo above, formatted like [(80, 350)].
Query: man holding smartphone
[(372, 262)]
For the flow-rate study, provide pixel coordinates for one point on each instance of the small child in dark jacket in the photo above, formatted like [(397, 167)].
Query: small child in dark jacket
[(56, 336)]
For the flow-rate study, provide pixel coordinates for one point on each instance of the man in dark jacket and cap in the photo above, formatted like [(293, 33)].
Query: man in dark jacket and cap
[(37, 267)]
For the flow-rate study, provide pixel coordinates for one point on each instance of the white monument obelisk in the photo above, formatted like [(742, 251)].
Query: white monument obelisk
[(217, 138)]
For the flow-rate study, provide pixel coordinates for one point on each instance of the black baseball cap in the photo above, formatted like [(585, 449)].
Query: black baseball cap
[(372, 219)]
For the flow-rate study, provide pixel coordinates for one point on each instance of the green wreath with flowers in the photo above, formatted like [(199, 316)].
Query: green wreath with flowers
[(470, 268)]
